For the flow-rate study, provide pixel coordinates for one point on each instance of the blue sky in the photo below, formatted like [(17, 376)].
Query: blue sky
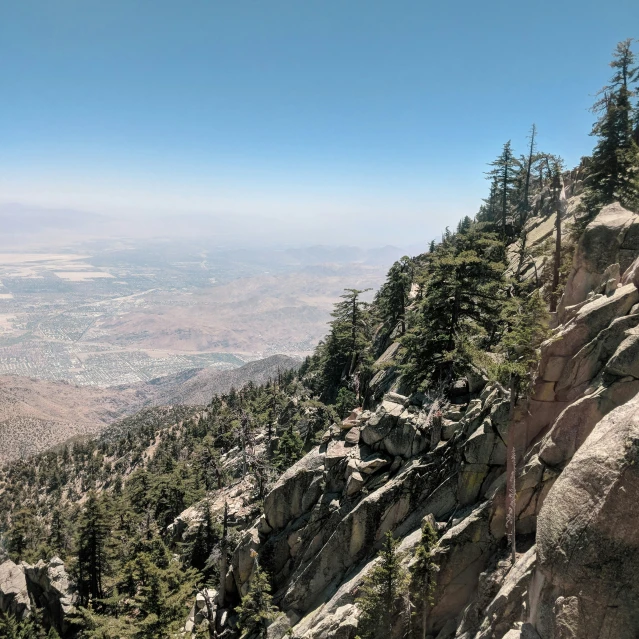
[(376, 117)]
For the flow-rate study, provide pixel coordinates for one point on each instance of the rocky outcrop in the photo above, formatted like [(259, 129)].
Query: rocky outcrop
[(396, 428), (501, 612), (199, 614), (52, 590), (46, 585), (325, 518), (576, 422), (300, 486), (588, 544), (611, 238), (14, 596)]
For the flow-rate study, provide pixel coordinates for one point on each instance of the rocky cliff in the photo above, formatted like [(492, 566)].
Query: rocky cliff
[(389, 468)]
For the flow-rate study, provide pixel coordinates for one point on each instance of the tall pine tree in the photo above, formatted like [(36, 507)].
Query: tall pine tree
[(392, 298), (614, 166), (461, 302), (382, 594), (93, 531), (503, 177)]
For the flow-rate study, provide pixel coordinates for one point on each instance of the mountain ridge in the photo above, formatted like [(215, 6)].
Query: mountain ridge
[(38, 414)]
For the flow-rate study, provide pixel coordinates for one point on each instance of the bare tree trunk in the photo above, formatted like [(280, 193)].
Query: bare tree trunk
[(524, 217), (221, 595), (425, 610), (557, 264), (511, 469), (436, 430), (211, 613)]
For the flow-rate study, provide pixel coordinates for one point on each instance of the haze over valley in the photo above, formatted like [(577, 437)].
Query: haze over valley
[(123, 311)]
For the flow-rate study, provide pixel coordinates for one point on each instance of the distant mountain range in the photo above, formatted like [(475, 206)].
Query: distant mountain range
[(24, 220), (258, 235)]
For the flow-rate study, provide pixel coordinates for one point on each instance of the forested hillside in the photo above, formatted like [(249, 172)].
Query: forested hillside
[(428, 472)]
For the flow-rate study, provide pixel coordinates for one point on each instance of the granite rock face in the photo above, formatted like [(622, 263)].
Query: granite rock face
[(611, 238), (588, 538), (14, 596), (389, 467), (53, 591), (46, 585)]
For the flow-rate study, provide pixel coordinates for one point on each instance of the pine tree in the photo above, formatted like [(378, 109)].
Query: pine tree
[(392, 298), (344, 347), (461, 302), (256, 610), (346, 401), (246, 439), (614, 165), (423, 572), (22, 533), (206, 539), (290, 448), (503, 178), (382, 594), (93, 531), (11, 628), (58, 536), (524, 202)]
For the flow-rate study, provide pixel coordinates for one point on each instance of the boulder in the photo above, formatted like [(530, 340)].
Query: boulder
[(485, 446), (396, 398), (352, 436), (612, 237), (625, 360), (588, 545), (354, 484), (372, 463), (381, 422), (14, 597)]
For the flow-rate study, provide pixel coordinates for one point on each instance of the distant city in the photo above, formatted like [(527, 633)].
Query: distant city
[(121, 313)]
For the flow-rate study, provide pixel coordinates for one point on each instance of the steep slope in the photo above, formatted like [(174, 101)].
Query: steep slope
[(38, 414), (195, 388)]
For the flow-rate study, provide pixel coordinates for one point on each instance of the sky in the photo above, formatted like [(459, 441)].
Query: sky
[(349, 121)]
